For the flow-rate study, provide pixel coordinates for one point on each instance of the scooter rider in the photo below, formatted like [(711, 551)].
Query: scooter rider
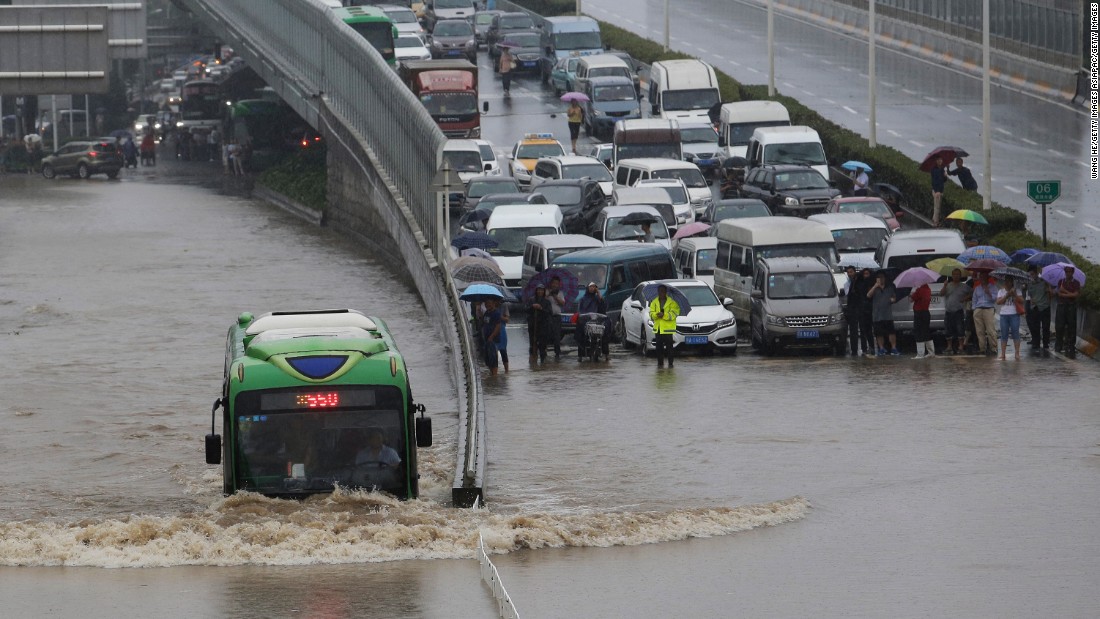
[(591, 302)]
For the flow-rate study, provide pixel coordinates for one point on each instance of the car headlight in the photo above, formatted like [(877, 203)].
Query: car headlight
[(790, 201), (519, 170), (156, 126), (597, 113), (138, 126), (777, 320), (728, 322), (836, 319), (179, 124), (436, 45), (471, 43), (649, 322)]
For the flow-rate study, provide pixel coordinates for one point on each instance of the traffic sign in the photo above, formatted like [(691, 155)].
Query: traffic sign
[(1044, 192)]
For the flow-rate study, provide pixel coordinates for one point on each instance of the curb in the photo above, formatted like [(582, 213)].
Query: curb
[(293, 207)]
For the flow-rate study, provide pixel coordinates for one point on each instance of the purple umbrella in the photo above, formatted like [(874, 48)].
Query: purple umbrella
[(692, 229), (1054, 274), (1045, 258), (569, 97), (915, 277)]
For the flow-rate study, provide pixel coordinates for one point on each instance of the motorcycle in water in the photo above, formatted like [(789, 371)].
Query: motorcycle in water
[(594, 341)]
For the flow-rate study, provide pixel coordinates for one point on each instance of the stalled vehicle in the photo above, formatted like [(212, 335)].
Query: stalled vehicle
[(708, 327), (739, 120), (526, 152), (796, 304), (567, 35), (683, 89), (448, 90)]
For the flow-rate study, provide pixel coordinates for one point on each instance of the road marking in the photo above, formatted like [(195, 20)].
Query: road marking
[(752, 69), (829, 101), (1092, 227), (1006, 132), (735, 63), (826, 61), (893, 133), (953, 107), (927, 98), (809, 93), (850, 109), (1082, 164), (1056, 152), (789, 85), (887, 84), (917, 144), (975, 119), (1012, 189), (1035, 144), (909, 92), (848, 69), (1061, 212)]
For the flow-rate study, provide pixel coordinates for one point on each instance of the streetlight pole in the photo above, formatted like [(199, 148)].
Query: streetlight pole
[(771, 50), (871, 87), (986, 128), (578, 7), (667, 36)]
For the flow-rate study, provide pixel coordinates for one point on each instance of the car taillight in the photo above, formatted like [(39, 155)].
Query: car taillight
[(93, 154)]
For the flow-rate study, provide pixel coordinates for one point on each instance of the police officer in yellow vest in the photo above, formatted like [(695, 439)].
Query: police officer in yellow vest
[(663, 312)]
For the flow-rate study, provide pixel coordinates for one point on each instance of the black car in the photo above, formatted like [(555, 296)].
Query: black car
[(525, 51), (504, 24), (795, 190), (734, 208), (572, 196)]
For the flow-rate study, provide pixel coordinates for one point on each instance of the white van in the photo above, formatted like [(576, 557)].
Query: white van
[(542, 249), (694, 258), (683, 89), (602, 65), (798, 145), (611, 232), (510, 225), (738, 121), (465, 158), (906, 249), (629, 171), (743, 242), (857, 236)]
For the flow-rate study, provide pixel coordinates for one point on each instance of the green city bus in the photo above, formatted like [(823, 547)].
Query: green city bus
[(312, 400), (374, 26)]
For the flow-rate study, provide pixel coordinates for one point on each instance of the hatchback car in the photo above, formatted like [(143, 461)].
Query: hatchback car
[(571, 167), (875, 207), (564, 74), (709, 327), (734, 208), (83, 159), (452, 38), (410, 47)]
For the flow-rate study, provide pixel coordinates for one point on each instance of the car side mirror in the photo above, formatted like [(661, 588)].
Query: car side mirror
[(213, 449), (423, 430), (757, 293), (726, 302), (485, 106), (607, 162), (721, 140), (549, 51), (689, 273), (898, 214), (636, 305), (511, 158), (488, 167)]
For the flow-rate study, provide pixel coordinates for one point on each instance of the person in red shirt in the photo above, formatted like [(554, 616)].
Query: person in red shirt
[(922, 322), (1065, 318)]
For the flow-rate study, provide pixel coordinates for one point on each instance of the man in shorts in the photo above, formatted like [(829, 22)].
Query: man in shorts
[(955, 293), (882, 296)]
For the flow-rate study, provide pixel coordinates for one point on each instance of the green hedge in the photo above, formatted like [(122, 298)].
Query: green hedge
[(1012, 240), (301, 176)]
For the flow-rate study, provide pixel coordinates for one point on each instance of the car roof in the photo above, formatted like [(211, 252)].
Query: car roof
[(559, 182), (461, 145), (855, 199), (901, 235), (848, 221), (743, 202), (699, 242), (507, 180), (610, 80), (621, 210), (514, 198), (514, 14), (572, 159), (658, 162), (678, 283), (598, 255), (553, 241), (790, 264)]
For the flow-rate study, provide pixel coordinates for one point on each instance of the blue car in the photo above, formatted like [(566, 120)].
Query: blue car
[(611, 99), (564, 75)]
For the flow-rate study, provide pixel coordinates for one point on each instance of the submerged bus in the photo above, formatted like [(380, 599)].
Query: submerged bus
[(315, 399), (374, 25)]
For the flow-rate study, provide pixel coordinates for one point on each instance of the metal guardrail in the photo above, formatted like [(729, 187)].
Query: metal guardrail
[(491, 577), (318, 64)]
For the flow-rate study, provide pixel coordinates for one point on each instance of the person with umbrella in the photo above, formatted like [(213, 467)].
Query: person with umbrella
[(983, 302), (866, 311), (1038, 309), (853, 307), (922, 321), (538, 323), (496, 341), (1011, 304), (663, 311), (1065, 321), (647, 233), (575, 116), (955, 294), (507, 63), (939, 179)]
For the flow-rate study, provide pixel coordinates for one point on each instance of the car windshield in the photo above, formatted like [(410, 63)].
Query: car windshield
[(738, 211), (804, 285), (406, 42), (594, 171), (453, 28), (803, 179), (516, 22), (585, 272), (699, 134), (620, 92), (616, 231), (741, 132), (559, 194), (875, 208), (698, 296), (704, 261), (523, 39), (859, 239), (702, 99), (401, 16), (478, 189), (564, 41), (511, 241), (825, 251), (538, 151), (464, 160), (805, 153), (454, 4), (692, 177), (483, 19)]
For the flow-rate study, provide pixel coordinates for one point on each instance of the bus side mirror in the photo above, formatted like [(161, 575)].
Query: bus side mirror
[(213, 449), (423, 431)]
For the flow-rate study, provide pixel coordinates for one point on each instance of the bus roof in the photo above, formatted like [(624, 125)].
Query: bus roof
[(311, 319), (356, 14)]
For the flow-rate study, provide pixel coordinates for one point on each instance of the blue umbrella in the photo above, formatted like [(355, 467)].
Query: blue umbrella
[(1021, 255), (1046, 258), (507, 295), (983, 251), (479, 240), (674, 293), (476, 293), (855, 165)]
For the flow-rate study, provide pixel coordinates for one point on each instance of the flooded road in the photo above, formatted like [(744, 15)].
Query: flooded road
[(962, 486)]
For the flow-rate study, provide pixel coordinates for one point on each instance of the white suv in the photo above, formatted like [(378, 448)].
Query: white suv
[(678, 193), (709, 326), (572, 167)]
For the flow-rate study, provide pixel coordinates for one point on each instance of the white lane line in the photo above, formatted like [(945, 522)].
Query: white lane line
[(829, 101), (790, 85), (893, 133), (933, 100), (909, 92), (752, 69), (850, 110), (1064, 214), (848, 69), (917, 144), (827, 61), (1011, 188), (953, 107), (805, 55), (1004, 131), (809, 93), (1033, 143), (1092, 227), (1056, 152), (1082, 164), (975, 119), (887, 84)]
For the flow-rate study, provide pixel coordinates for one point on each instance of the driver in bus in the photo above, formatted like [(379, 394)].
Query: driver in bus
[(377, 452)]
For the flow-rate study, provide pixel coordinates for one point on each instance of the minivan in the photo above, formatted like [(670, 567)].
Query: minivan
[(510, 225), (743, 242), (542, 249), (683, 89), (738, 121), (694, 258), (656, 197), (604, 65), (857, 236), (906, 249), (796, 304), (796, 145), (628, 172), (617, 269)]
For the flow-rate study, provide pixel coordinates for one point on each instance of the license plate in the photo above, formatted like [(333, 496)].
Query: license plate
[(936, 300), (696, 339), (807, 334), (706, 161), (566, 319), (454, 52), (529, 64)]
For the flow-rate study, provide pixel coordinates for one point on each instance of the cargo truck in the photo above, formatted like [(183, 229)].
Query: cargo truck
[(448, 90)]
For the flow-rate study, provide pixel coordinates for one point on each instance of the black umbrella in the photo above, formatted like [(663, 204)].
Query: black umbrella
[(479, 240), (637, 219)]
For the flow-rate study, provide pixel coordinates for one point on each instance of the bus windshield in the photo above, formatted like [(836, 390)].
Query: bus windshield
[(564, 41), (859, 239), (450, 103), (586, 272), (464, 160), (379, 34), (308, 439), (680, 100)]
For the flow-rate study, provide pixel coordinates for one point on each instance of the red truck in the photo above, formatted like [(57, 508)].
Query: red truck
[(448, 90)]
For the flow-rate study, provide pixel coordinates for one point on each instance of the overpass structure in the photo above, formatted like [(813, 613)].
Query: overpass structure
[(383, 154)]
